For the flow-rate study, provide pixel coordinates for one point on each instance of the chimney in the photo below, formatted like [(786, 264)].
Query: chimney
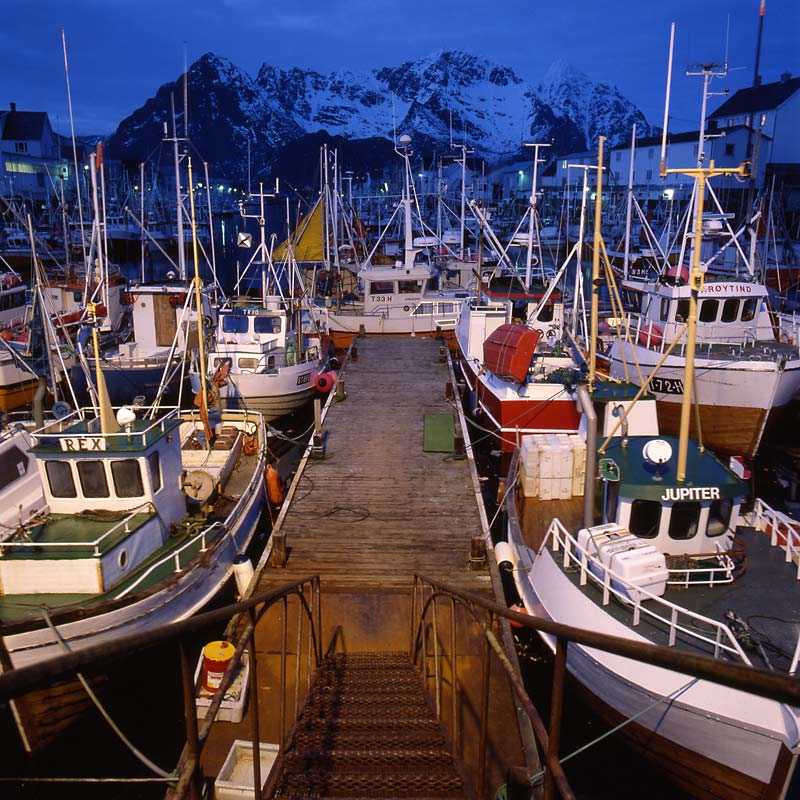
[(13, 106)]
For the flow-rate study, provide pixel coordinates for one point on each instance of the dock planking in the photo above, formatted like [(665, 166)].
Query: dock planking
[(377, 508)]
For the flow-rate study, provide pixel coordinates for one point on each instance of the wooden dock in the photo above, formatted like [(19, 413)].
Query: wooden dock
[(374, 510)]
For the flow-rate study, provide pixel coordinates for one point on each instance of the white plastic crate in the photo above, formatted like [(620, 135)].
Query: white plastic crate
[(235, 700), (235, 779)]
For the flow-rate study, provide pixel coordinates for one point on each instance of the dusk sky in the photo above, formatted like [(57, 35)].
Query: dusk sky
[(120, 52)]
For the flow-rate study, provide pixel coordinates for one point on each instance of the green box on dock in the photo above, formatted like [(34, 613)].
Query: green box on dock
[(440, 432)]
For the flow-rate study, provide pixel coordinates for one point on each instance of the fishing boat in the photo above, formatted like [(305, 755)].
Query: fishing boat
[(403, 298), (657, 549), (261, 357)]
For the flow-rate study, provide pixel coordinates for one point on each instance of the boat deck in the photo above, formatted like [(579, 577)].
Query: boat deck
[(766, 596), (373, 511)]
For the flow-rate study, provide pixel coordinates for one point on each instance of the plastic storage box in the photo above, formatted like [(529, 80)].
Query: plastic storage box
[(235, 700), (235, 779)]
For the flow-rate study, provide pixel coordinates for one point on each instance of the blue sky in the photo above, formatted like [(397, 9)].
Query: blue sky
[(120, 51)]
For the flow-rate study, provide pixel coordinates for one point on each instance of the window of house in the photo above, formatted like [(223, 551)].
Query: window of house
[(749, 309), (763, 120), (22, 147), (645, 518), (730, 123), (649, 174), (748, 119), (729, 149), (154, 465), (59, 476), (127, 478), (708, 310), (619, 155), (92, 475), (616, 175), (730, 310), (683, 520)]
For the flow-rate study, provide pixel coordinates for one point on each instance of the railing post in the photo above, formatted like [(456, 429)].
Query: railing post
[(485, 679), (284, 609), (254, 726), (413, 619), (556, 710), (437, 671), (454, 677), (190, 717)]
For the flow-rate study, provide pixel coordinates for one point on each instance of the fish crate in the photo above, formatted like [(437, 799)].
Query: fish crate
[(235, 700), (235, 779)]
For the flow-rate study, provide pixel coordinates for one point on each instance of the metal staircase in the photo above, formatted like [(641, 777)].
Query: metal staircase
[(368, 729)]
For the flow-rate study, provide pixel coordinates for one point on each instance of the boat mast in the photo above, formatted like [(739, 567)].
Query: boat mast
[(598, 208), (532, 212), (178, 193), (627, 256)]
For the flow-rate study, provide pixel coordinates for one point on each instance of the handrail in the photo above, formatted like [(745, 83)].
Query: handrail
[(174, 556), (94, 544), (610, 577), (779, 524)]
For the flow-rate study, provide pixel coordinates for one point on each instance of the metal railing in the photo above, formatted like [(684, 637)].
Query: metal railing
[(633, 597), (783, 530)]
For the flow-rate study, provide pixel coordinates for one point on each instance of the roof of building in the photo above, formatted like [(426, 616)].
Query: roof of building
[(24, 125), (758, 98), (684, 136)]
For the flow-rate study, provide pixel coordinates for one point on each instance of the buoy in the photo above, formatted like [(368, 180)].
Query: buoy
[(274, 488), (216, 657), (650, 335), (520, 609), (242, 572), (324, 381), (678, 274)]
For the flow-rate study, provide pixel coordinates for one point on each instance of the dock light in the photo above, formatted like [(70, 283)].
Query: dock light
[(520, 173)]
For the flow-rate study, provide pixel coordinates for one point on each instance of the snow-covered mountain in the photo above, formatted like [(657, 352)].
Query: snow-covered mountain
[(448, 95)]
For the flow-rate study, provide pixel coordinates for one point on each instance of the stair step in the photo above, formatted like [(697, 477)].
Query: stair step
[(319, 737), (401, 708), (368, 660), (365, 724), (370, 759), (313, 783)]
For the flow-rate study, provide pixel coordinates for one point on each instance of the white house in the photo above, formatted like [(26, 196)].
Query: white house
[(771, 108), (30, 153)]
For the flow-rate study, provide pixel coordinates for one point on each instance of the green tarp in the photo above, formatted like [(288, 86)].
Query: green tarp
[(440, 433)]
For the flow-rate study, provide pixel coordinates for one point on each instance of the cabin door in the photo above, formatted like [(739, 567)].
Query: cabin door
[(166, 322)]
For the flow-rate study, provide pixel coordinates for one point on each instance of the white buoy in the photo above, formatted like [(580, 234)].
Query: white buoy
[(242, 572), (506, 557)]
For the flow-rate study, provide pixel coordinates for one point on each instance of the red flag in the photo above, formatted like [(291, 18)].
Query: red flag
[(99, 154)]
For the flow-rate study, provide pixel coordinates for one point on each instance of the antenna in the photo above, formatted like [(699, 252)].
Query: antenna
[(727, 39), (666, 101), (185, 95)]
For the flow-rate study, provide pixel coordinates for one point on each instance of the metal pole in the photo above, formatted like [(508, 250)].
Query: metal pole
[(556, 710), (190, 717), (454, 677), (284, 610), (485, 681), (254, 726), (598, 207)]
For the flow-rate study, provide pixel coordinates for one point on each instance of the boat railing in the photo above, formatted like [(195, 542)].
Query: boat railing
[(175, 555), (784, 532), (62, 429), (634, 597), (704, 576), (657, 336), (124, 524)]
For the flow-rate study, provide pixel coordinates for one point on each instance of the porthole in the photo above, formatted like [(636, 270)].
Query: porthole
[(122, 559)]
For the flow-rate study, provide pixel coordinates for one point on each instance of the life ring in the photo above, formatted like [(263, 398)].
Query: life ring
[(126, 299), (176, 300), (273, 483)]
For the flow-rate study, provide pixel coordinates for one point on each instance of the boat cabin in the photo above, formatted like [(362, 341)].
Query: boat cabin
[(642, 495), (110, 499), (400, 291)]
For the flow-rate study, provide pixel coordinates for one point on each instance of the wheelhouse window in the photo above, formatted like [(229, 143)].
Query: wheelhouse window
[(708, 311), (749, 308), (546, 313), (267, 324), (684, 520), (248, 363), (381, 287), (59, 476), (409, 287), (645, 518), (92, 475), (719, 516), (127, 478), (154, 465), (234, 323), (730, 310), (681, 311), (423, 308), (664, 308), (13, 465)]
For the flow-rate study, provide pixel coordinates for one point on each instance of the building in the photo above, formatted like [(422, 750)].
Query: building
[(771, 110), (30, 154)]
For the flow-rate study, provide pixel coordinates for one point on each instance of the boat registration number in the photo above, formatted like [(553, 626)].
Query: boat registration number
[(667, 385), (304, 378)]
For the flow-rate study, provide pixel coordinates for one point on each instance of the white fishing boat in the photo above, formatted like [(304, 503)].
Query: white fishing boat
[(404, 298), (262, 358)]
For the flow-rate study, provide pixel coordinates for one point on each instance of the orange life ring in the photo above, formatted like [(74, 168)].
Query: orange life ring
[(274, 488)]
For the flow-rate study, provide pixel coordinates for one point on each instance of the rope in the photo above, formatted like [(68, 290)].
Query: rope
[(672, 696), (93, 697)]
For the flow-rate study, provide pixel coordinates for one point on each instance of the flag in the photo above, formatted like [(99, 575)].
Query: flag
[(99, 154)]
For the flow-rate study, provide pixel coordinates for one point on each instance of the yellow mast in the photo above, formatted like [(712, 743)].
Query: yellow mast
[(199, 302), (598, 207), (108, 422), (702, 175)]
